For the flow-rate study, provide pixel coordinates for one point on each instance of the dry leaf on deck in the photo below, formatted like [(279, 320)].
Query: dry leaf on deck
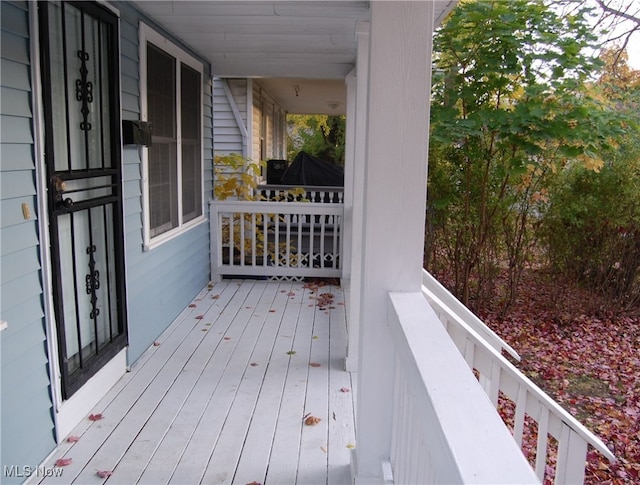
[(315, 364), (291, 352), (73, 439), (345, 389), (104, 473), (95, 417), (312, 420), (63, 461)]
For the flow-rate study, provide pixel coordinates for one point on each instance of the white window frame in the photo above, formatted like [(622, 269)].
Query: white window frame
[(149, 35)]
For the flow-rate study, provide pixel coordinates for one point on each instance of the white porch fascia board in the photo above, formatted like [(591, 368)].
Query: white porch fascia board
[(396, 128)]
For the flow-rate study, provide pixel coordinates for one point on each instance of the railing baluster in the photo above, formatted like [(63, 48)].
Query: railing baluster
[(231, 238), (288, 239), (242, 238), (265, 238), (254, 235), (572, 449), (543, 440), (519, 415)]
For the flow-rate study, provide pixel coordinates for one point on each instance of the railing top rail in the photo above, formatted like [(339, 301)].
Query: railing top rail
[(316, 188), (437, 292), (274, 207), (539, 394)]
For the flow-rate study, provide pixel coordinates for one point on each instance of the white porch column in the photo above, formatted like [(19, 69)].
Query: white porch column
[(358, 88), (395, 177)]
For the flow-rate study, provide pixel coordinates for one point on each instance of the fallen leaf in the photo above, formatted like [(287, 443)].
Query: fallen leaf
[(73, 439), (192, 305), (323, 448), (351, 446), (315, 364), (334, 416), (291, 352), (312, 420), (315, 337), (227, 338), (272, 311), (199, 317), (104, 473), (63, 461), (95, 417), (156, 344), (254, 364), (254, 483), (345, 389), (291, 293), (215, 297), (204, 329)]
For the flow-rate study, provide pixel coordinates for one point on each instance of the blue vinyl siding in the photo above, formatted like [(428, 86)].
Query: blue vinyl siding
[(26, 408), (227, 136), (160, 282)]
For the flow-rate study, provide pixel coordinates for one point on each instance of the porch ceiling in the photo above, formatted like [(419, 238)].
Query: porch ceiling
[(293, 43)]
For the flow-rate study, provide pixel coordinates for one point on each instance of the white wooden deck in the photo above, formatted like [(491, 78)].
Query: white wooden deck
[(221, 396)]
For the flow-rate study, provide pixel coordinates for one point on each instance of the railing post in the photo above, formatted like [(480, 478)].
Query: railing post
[(214, 238)]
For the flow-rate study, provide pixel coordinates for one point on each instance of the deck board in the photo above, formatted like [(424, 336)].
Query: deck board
[(221, 398)]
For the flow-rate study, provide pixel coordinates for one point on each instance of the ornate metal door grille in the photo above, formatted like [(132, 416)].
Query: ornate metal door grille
[(82, 138)]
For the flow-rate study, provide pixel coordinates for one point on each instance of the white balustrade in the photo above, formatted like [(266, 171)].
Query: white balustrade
[(293, 239), (481, 350), (444, 429)]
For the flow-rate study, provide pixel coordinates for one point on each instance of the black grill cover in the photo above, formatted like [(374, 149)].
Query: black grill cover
[(309, 170)]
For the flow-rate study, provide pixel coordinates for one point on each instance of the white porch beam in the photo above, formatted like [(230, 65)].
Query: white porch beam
[(397, 122)]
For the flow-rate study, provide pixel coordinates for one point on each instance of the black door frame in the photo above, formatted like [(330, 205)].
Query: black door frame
[(59, 205)]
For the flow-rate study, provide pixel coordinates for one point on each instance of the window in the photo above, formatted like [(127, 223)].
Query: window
[(171, 95)]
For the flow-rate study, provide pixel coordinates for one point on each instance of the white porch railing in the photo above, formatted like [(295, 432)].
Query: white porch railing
[(481, 350), (444, 429), (275, 239), (312, 193)]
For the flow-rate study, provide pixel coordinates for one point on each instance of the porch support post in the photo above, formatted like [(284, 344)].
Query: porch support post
[(397, 130), (358, 88)]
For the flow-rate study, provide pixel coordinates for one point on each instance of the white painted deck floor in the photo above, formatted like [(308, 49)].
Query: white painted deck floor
[(222, 395)]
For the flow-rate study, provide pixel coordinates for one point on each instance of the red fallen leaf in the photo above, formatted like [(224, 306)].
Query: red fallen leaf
[(254, 364), (215, 297), (254, 483), (272, 311), (104, 473), (345, 389), (73, 439), (227, 338), (315, 364), (95, 417), (156, 343), (291, 293), (192, 305), (63, 461), (199, 317)]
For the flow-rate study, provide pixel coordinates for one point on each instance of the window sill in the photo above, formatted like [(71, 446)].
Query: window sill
[(151, 244)]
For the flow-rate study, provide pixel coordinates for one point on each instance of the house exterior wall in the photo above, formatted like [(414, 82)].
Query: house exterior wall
[(163, 280), (269, 137), (160, 281), (25, 400), (227, 134)]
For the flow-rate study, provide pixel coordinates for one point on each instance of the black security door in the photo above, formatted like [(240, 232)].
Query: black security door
[(80, 78)]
